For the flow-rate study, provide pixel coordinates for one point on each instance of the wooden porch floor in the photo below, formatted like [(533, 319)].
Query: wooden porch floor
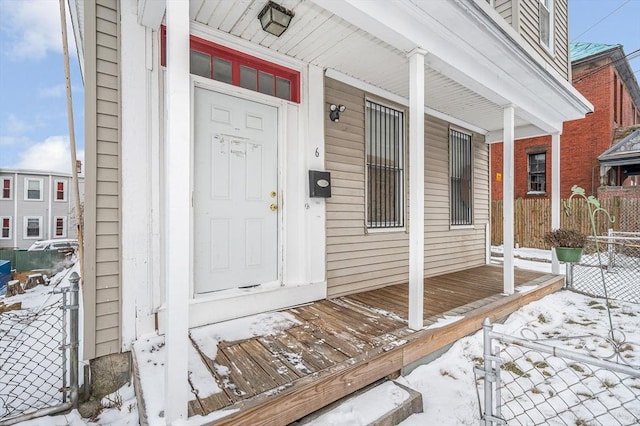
[(344, 344)]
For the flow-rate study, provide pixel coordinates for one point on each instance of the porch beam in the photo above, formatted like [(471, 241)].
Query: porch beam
[(507, 198), (178, 213), (555, 194), (416, 188)]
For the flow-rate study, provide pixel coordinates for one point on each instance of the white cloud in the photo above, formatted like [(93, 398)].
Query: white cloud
[(32, 28), (53, 155)]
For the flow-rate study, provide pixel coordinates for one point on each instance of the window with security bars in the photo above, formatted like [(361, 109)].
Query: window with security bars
[(460, 172), (385, 166), (537, 172)]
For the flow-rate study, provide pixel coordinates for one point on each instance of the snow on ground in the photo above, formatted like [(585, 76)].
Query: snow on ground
[(447, 383), (150, 355)]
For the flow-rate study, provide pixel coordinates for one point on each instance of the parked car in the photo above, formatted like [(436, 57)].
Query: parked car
[(54, 244)]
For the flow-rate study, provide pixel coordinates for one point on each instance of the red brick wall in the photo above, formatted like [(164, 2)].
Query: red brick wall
[(619, 191), (581, 142)]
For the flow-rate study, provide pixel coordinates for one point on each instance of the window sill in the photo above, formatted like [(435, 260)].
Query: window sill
[(384, 230), (457, 227), (536, 193)]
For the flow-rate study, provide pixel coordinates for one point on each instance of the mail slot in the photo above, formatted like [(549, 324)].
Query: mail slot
[(319, 184)]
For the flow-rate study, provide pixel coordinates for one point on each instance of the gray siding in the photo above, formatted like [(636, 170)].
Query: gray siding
[(102, 242), (529, 17), (357, 260), (505, 9), (446, 249), (47, 209)]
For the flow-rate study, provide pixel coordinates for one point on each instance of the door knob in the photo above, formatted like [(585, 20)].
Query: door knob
[(273, 207)]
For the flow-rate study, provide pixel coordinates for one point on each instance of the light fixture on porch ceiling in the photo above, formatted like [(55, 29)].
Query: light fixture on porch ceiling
[(274, 18), (335, 111)]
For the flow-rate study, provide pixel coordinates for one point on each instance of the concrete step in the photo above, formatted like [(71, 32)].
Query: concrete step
[(384, 403)]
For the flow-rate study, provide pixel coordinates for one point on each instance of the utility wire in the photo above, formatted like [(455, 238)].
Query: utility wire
[(627, 57), (601, 19)]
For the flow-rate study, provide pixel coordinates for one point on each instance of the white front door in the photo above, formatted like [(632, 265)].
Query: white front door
[(235, 192)]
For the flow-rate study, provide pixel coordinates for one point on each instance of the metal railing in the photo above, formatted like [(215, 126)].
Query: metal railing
[(530, 381), (39, 358), (615, 262)]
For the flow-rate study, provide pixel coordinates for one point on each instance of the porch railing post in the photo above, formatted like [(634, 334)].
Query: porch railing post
[(488, 373)]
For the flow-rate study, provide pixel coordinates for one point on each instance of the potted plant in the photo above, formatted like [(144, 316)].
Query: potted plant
[(568, 244)]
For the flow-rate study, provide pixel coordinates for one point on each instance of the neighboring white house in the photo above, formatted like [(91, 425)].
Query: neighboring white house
[(202, 128), (36, 205)]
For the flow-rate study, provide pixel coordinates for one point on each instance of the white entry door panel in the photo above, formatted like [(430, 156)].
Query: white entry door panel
[(236, 226)]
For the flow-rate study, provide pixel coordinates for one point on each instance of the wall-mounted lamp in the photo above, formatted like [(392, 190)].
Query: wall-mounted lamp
[(334, 115), (274, 18)]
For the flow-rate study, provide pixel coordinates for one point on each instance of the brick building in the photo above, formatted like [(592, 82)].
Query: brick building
[(603, 75)]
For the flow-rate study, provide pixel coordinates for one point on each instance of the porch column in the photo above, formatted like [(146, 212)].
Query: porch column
[(555, 194), (507, 198), (177, 207), (416, 188)]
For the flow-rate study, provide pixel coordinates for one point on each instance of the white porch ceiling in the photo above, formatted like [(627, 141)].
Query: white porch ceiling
[(322, 38)]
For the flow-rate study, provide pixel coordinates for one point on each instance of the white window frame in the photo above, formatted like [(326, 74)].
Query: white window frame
[(26, 189), (64, 227), (471, 207), (25, 227), (2, 218), (2, 180), (371, 226), (548, 6), (64, 190)]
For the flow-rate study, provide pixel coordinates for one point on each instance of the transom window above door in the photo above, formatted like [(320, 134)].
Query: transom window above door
[(211, 60)]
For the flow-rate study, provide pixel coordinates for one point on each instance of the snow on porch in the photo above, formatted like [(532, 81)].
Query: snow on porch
[(281, 366)]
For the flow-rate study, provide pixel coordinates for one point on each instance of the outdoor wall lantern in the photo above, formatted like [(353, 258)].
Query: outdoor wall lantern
[(334, 115), (274, 18)]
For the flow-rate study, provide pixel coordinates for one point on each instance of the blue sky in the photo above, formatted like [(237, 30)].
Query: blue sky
[(33, 122)]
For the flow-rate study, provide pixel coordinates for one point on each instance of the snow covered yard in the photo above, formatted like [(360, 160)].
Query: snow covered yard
[(447, 384)]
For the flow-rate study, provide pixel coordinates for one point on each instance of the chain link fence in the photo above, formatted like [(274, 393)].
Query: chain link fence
[(614, 258), (39, 357), (529, 381)]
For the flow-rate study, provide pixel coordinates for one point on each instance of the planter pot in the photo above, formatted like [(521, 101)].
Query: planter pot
[(567, 254)]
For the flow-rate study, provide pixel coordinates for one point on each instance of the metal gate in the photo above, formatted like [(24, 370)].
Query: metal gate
[(39, 357)]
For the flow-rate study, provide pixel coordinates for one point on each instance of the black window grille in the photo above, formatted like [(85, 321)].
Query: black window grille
[(385, 167), (537, 172), (460, 171)]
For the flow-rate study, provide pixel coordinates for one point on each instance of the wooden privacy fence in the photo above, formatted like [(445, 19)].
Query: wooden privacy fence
[(532, 219)]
